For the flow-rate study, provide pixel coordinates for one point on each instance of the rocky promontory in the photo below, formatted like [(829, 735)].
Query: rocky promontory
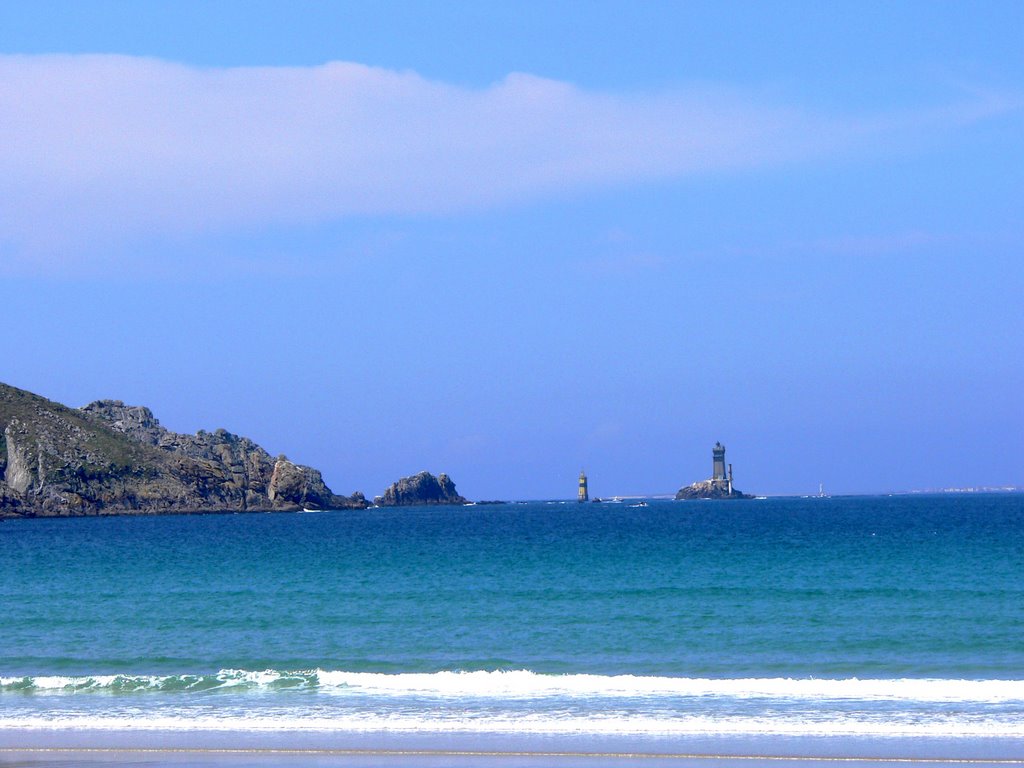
[(422, 488), (112, 458)]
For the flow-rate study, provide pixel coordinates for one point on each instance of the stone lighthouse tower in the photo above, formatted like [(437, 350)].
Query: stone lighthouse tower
[(719, 486), (583, 495), (718, 462)]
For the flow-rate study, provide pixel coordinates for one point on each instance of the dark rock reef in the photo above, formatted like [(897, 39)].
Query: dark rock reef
[(710, 489), (112, 458), (423, 488)]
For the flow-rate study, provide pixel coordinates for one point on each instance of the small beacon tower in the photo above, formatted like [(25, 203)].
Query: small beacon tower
[(583, 495), (718, 462)]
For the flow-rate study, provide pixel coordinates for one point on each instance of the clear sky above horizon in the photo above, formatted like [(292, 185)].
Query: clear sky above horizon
[(509, 240)]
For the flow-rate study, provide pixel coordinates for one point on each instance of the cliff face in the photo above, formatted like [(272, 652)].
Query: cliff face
[(423, 488), (110, 458)]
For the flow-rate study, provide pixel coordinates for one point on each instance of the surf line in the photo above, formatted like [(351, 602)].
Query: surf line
[(270, 752)]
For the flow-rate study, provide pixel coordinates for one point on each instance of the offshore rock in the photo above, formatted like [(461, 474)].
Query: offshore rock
[(710, 489), (295, 484), (112, 458), (423, 488)]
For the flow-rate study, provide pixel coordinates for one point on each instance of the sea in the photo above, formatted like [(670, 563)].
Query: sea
[(867, 628)]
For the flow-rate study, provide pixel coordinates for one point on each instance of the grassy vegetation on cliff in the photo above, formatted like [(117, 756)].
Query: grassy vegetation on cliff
[(43, 421)]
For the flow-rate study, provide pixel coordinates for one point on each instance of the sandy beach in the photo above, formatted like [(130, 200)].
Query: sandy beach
[(198, 748)]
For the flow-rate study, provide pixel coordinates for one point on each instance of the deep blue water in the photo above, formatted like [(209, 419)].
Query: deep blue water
[(661, 619)]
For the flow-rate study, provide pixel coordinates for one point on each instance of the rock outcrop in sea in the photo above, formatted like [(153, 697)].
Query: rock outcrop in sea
[(422, 488), (710, 489), (719, 486), (112, 458)]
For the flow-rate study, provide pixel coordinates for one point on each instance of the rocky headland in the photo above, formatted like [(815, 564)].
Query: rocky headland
[(112, 458), (422, 488)]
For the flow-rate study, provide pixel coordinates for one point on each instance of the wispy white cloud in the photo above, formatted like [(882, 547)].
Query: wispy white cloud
[(105, 149)]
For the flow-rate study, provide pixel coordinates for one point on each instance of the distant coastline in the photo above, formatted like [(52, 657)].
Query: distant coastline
[(978, 489), (108, 458)]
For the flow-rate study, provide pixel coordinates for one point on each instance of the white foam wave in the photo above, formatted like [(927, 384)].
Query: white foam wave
[(225, 679), (530, 684), (527, 684), (607, 724)]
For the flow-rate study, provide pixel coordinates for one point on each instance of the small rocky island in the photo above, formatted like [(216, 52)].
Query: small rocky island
[(111, 458), (422, 488), (719, 486)]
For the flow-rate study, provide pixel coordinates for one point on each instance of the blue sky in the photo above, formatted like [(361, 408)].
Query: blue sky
[(511, 240)]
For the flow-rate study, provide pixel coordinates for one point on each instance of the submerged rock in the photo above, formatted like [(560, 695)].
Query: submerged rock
[(422, 488)]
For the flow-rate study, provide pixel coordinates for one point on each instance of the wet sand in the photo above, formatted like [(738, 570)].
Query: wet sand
[(181, 749), (275, 758)]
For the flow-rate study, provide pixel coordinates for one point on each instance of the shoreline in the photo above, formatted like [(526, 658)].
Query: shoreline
[(8, 514), (216, 757), (61, 745)]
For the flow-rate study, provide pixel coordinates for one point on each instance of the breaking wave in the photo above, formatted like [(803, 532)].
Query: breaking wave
[(514, 702), (515, 684)]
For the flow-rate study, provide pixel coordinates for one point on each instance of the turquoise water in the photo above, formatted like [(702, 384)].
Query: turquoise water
[(874, 616)]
